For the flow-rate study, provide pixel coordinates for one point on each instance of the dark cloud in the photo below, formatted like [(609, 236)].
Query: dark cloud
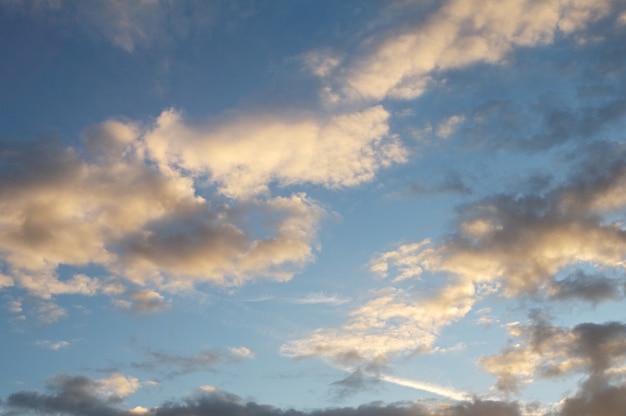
[(547, 351), (357, 381), (593, 288), (610, 401), (74, 398), (70, 395)]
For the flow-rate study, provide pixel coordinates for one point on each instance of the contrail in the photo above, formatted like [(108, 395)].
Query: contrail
[(444, 391)]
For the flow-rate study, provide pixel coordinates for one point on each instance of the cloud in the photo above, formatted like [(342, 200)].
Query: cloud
[(320, 298), (593, 288), (460, 33), (75, 398), (395, 322), (141, 301), (129, 24), (174, 365), (549, 351), (241, 352), (609, 401), (117, 385), (525, 241), (450, 182), (227, 404), (140, 201), (246, 154), (75, 395), (110, 204), (54, 345), (513, 245), (449, 126)]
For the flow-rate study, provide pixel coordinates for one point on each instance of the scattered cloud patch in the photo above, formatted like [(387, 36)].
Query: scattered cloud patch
[(320, 298)]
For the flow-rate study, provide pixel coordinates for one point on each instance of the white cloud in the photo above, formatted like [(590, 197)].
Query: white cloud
[(208, 389), (141, 301), (53, 345), (139, 410), (458, 34), (320, 298), (449, 126), (241, 352), (5, 281), (394, 323), (247, 154), (130, 205), (117, 384)]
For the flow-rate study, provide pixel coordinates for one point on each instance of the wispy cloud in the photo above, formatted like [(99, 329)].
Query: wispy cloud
[(55, 345), (320, 298), (459, 34), (173, 365)]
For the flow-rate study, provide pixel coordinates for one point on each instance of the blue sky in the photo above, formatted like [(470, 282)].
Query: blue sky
[(312, 208)]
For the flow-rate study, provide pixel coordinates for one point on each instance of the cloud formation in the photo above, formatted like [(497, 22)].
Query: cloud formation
[(75, 395), (460, 33), (75, 398), (513, 245), (173, 365), (598, 351), (246, 154), (129, 24)]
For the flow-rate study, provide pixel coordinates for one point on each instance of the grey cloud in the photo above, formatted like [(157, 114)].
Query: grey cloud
[(548, 351), (451, 182), (540, 230), (484, 408), (173, 365), (74, 398), (141, 301), (609, 401), (70, 395), (129, 25), (363, 378), (593, 288), (226, 405)]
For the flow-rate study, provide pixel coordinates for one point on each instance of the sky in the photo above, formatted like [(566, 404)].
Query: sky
[(312, 208)]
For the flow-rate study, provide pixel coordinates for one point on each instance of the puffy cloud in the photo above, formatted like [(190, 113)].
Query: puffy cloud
[(116, 385), (546, 350), (76, 395), (248, 153), (525, 241), (126, 201), (517, 245), (610, 401), (458, 34)]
